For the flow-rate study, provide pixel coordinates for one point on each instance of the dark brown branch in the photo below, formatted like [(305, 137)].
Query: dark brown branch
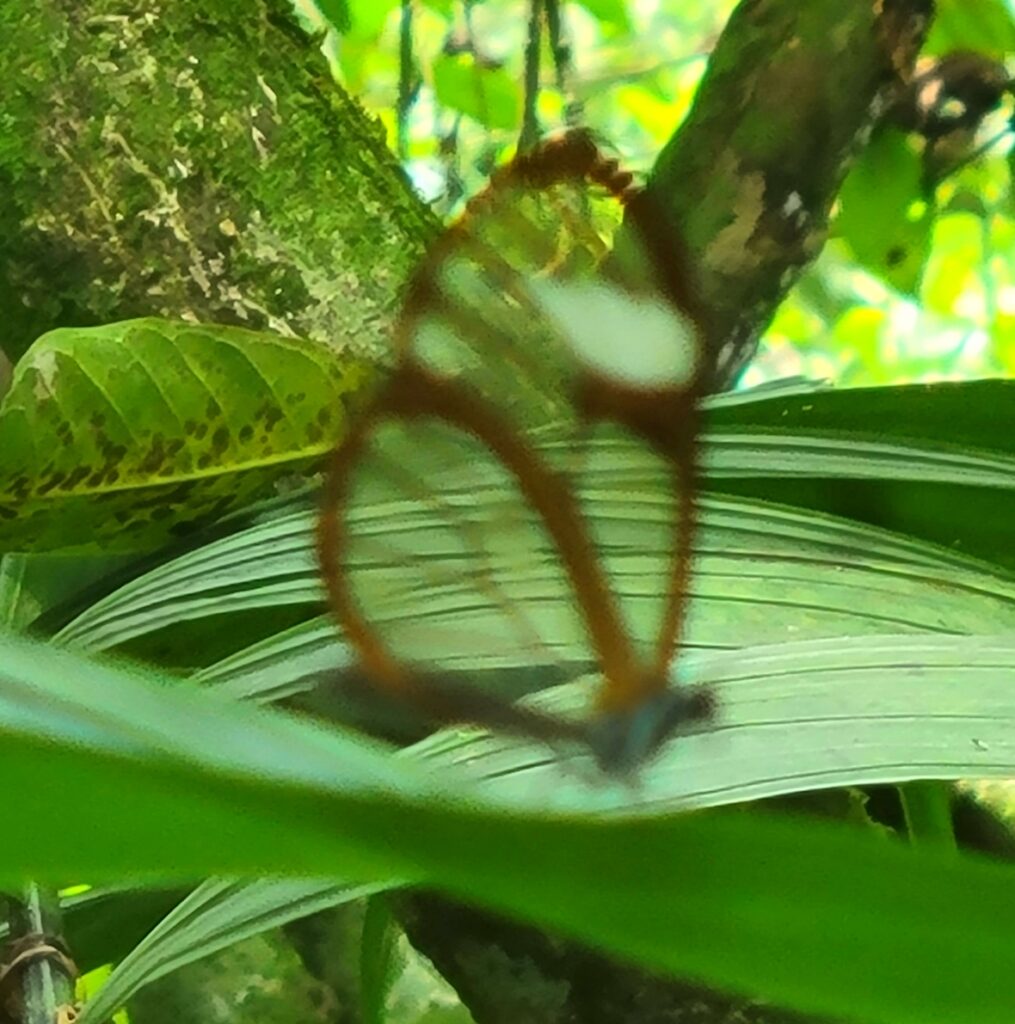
[(791, 92), (507, 973)]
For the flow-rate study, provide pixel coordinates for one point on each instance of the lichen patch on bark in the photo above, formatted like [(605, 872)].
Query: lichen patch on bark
[(730, 250)]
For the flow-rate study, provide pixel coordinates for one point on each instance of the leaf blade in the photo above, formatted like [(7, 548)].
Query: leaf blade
[(125, 434), (793, 911)]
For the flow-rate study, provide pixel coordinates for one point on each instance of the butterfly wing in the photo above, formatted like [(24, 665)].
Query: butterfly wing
[(469, 524)]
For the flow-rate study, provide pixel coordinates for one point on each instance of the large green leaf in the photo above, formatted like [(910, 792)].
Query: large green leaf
[(793, 911), (762, 573), (935, 461), (121, 436), (267, 566), (948, 415), (793, 717), (845, 581), (896, 456)]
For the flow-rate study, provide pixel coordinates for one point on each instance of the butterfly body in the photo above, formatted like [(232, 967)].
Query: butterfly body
[(623, 740), (503, 331)]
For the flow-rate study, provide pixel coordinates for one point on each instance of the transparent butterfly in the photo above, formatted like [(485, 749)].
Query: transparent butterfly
[(483, 533)]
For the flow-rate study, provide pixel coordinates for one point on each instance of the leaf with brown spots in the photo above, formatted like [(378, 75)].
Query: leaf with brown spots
[(117, 437)]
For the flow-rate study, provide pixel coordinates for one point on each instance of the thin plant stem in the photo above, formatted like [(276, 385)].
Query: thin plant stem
[(561, 52), (47, 987), (405, 81), (530, 120)]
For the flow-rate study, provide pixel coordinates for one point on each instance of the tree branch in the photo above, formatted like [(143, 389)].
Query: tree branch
[(791, 92)]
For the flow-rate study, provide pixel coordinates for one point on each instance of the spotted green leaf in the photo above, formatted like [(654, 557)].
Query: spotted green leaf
[(116, 436)]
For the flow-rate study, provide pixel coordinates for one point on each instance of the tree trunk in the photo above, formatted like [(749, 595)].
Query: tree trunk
[(192, 160), (791, 92)]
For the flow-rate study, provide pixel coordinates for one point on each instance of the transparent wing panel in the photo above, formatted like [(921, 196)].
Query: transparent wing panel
[(452, 569), (481, 530)]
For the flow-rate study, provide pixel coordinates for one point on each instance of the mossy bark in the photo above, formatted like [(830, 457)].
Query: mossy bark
[(257, 981), (192, 160), (506, 973)]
